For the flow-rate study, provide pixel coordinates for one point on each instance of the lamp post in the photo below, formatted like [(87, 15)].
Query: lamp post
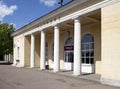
[(60, 2)]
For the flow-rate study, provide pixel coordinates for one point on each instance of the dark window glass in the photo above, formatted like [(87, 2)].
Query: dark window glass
[(91, 54), (46, 52), (92, 61), (70, 57), (53, 52), (83, 53), (87, 54), (87, 38), (69, 41), (66, 56), (87, 46), (82, 60), (87, 61)]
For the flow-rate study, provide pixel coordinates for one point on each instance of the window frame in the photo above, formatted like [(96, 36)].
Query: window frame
[(87, 49)]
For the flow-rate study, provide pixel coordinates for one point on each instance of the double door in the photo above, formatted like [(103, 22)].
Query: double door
[(69, 59)]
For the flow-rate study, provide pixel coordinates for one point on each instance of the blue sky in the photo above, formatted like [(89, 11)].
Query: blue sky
[(22, 12)]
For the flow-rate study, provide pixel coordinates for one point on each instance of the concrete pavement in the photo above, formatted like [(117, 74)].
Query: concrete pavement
[(26, 78)]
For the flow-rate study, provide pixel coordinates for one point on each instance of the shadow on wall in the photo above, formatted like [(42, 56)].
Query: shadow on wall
[(5, 63), (1, 58), (6, 59)]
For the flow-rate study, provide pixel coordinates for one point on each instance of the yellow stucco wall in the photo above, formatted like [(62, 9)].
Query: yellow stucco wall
[(111, 42), (49, 40), (19, 42), (37, 51), (27, 51)]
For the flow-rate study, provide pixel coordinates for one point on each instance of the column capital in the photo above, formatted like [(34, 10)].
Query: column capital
[(56, 26), (41, 28), (76, 19), (32, 34), (42, 31)]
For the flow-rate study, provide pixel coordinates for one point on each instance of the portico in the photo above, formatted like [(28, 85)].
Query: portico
[(70, 38), (55, 37)]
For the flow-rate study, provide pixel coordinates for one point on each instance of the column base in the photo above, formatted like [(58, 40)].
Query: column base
[(55, 71), (42, 69), (31, 67), (76, 75), (110, 82)]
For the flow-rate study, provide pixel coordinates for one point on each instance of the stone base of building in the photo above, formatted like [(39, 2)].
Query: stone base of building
[(110, 82)]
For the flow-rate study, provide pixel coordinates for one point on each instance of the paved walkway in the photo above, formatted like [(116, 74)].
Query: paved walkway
[(26, 78), (91, 77)]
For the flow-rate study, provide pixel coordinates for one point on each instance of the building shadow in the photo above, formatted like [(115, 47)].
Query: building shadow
[(5, 63)]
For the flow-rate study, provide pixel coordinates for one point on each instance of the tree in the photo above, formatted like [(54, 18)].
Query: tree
[(6, 41)]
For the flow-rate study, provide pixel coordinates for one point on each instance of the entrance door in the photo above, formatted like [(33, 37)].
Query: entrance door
[(69, 60), (68, 54), (87, 53)]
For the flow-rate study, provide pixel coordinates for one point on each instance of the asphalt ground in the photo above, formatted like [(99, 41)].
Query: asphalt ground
[(26, 78)]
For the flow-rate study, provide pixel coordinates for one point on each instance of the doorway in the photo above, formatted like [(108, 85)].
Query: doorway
[(69, 54), (87, 53)]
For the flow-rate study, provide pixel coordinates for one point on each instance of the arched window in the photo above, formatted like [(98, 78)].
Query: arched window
[(68, 50), (87, 49), (69, 41)]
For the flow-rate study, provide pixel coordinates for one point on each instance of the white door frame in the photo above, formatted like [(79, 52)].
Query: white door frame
[(68, 65)]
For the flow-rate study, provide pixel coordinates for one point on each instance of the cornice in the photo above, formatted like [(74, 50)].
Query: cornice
[(60, 10)]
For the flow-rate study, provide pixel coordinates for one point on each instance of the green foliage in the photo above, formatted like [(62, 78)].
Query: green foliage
[(6, 41)]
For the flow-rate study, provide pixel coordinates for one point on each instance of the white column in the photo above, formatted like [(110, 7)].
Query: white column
[(9, 59), (77, 47), (42, 60), (5, 57), (32, 57), (56, 49)]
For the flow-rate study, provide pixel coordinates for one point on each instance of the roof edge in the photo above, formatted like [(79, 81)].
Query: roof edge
[(48, 15)]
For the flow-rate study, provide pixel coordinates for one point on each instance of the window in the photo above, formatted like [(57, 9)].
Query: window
[(53, 52), (46, 51), (18, 53), (87, 49), (69, 41), (68, 50)]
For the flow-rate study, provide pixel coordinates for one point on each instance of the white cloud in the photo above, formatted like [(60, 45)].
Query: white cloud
[(49, 2), (5, 10)]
